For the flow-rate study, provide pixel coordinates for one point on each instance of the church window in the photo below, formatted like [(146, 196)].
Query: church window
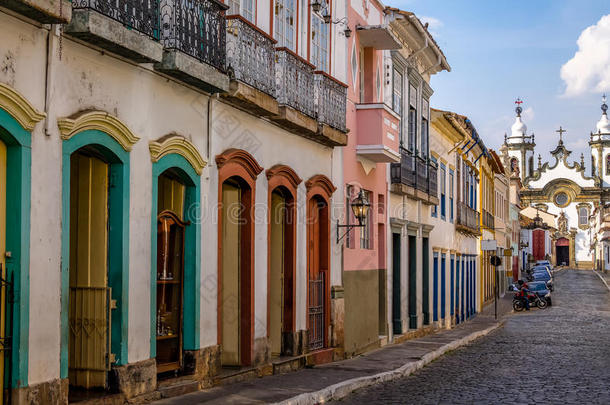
[(608, 164), (530, 169), (561, 199), (583, 216)]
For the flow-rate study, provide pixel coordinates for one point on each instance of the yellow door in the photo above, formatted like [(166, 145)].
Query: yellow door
[(89, 292), (2, 256), (276, 261), (231, 198)]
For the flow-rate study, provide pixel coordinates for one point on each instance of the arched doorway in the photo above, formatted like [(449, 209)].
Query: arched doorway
[(176, 253), (319, 193), (237, 172), (281, 313), (95, 254), (562, 251)]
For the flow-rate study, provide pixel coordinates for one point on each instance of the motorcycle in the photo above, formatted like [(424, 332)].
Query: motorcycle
[(534, 299)]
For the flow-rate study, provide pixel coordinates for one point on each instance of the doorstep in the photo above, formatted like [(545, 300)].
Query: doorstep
[(318, 357), (174, 387)]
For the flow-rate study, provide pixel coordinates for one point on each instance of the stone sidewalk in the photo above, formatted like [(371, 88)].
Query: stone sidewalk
[(338, 379)]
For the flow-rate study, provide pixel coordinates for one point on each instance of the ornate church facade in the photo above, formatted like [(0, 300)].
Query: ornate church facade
[(562, 188)]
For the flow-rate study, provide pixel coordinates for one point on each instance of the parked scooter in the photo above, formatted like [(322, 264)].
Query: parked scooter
[(534, 299)]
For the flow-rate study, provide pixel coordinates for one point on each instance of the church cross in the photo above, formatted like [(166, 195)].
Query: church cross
[(518, 102), (561, 131)]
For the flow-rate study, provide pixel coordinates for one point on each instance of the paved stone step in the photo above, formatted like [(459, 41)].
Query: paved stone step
[(179, 388)]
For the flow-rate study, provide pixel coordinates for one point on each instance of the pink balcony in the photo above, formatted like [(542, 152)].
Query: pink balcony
[(378, 133)]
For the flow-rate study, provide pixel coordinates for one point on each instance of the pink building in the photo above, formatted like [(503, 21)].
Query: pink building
[(372, 143)]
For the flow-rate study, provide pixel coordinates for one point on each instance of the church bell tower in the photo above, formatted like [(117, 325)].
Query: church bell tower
[(600, 147), (520, 146)]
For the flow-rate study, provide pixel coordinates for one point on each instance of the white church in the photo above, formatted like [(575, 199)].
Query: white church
[(577, 200)]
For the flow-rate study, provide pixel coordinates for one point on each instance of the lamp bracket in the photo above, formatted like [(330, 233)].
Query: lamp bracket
[(349, 228)]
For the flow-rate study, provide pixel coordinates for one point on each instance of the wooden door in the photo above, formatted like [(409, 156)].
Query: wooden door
[(89, 303), (277, 297), (230, 275), (2, 261), (317, 283)]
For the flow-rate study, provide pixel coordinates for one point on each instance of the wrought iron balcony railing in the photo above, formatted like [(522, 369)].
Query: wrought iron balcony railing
[(250, 54), (415, 172), (139, 15), (294, 79), (195, 27), (468, 218), (330, 101), (404, 172)]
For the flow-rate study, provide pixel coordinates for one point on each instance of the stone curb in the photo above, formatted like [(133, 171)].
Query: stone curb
[(602, 279), (344, 388)]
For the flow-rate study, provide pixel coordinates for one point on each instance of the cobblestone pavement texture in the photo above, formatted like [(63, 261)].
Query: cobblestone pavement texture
[(557, 355), (285, 386)]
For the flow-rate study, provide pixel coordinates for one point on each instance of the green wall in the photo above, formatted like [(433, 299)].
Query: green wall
[(361, 309)]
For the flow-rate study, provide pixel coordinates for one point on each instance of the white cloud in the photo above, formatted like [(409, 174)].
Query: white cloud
[(434, 24), (589, 68)]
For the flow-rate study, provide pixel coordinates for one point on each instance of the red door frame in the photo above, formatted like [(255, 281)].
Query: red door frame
[(284, 178), (320, 189), (240, 165)]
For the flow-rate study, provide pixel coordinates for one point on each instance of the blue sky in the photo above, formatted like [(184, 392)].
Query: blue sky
[(501, 50)]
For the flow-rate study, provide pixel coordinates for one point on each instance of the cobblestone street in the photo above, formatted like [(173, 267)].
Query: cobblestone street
[(557, 355)]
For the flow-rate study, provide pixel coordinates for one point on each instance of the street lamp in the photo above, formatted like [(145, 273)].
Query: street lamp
[(360, 207)]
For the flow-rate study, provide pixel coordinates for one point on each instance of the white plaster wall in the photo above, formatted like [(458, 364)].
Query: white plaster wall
[(22, 59), (563, 172), (151, 106), (582, 240)]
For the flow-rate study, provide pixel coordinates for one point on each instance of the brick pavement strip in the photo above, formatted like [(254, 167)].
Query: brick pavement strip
[(336, 380)]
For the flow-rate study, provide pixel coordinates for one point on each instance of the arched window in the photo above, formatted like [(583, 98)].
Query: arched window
[(608, 164), (583, 216), (530, 166)]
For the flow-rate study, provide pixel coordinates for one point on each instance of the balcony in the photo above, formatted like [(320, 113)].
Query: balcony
[(294, 79), (175, 35), (119, 26), (378, 133), (194, 31), (468, 220), (43, 11), (330, 100), (415, 178), (251, 67), (488, 220)]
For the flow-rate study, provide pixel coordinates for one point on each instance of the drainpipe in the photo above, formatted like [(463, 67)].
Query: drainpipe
[(50, 68), (209, 131)]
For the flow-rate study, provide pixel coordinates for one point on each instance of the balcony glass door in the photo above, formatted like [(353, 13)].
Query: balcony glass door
[(170, 273)]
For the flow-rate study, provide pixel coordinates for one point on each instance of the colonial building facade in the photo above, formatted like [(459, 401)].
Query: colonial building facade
[(168, 191)]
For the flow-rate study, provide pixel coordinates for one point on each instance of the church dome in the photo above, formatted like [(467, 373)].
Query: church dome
[(518, 128), (603, 125)]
